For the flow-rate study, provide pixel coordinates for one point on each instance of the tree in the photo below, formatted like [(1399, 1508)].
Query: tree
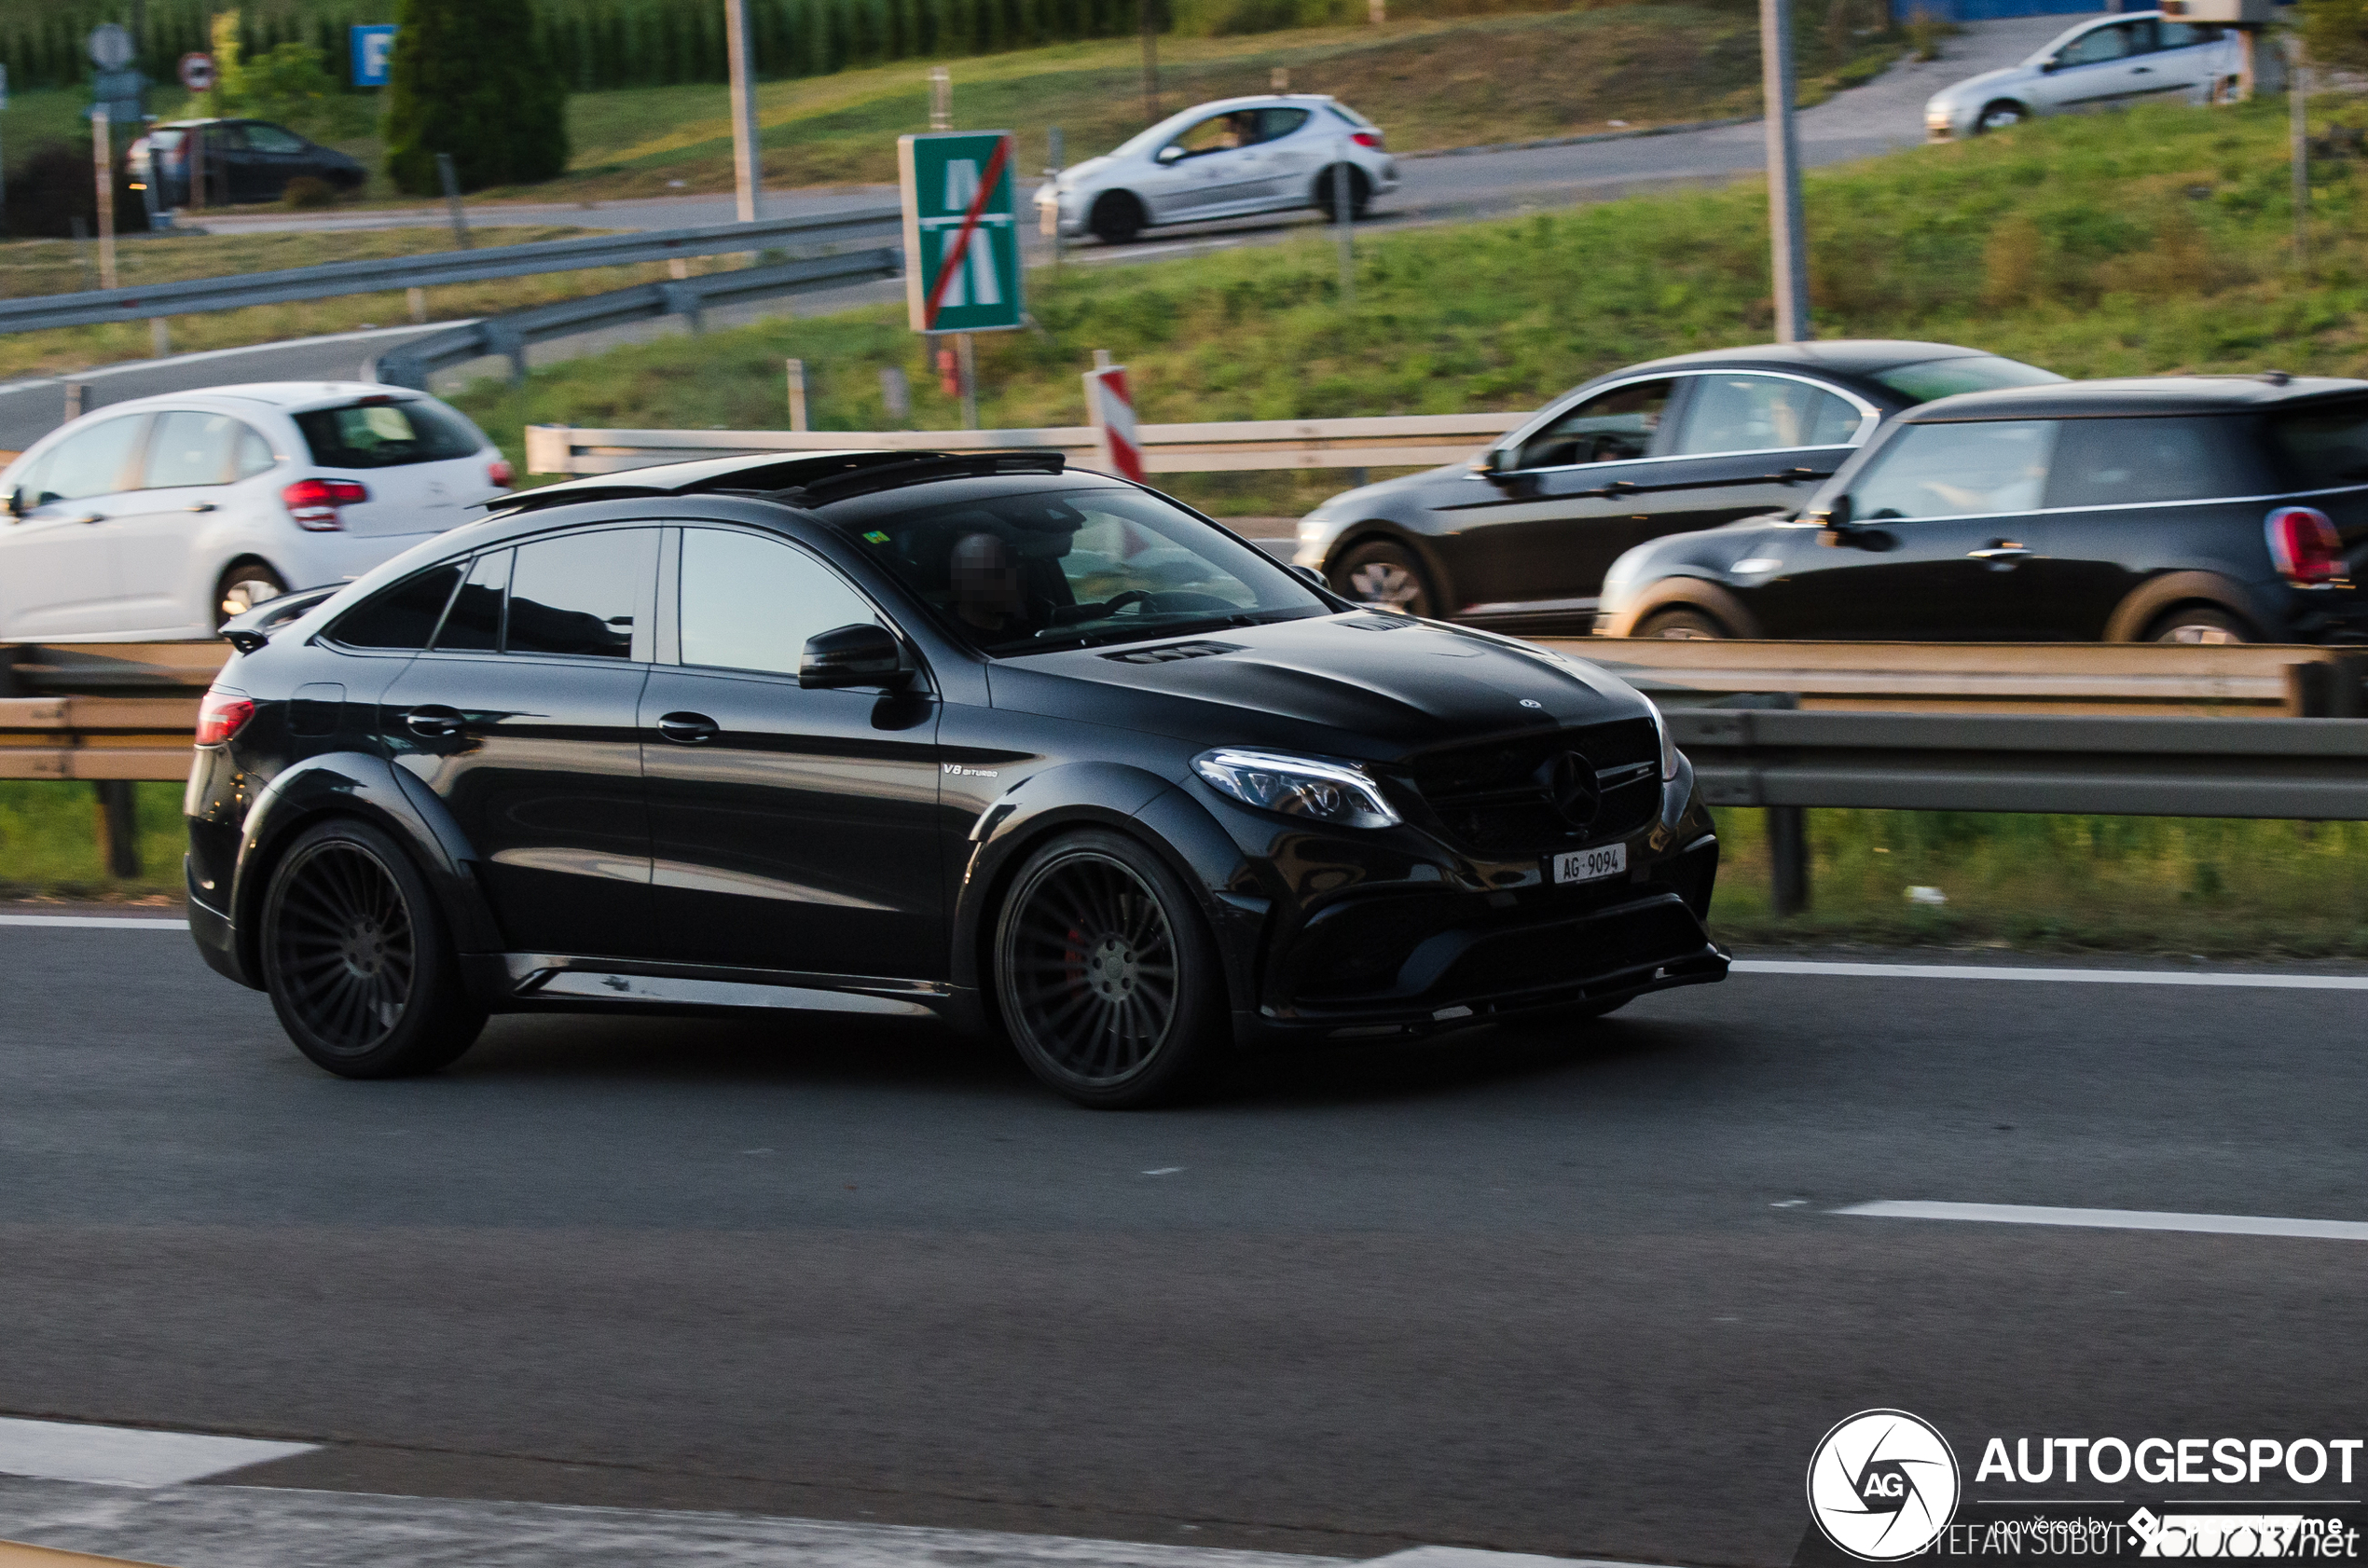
[(472, 79)]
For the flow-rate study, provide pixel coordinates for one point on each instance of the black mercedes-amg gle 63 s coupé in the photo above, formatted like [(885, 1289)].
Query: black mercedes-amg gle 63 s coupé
[(1037, 751)]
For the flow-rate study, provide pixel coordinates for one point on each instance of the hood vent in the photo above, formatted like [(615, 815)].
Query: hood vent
[(1380, 623), (1173, 652)]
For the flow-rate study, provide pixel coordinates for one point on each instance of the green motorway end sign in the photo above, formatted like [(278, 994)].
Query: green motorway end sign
[(961, 233)]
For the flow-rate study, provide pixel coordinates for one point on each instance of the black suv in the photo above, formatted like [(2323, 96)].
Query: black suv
[(241, 161), (1519, 538), (1037, 751), (2176, 509)]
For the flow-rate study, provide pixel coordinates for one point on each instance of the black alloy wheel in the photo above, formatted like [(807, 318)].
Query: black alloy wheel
[(355, 958), (1106, 980), (2200, 623), (1386, 576), (1117, 219), (1681, 625)]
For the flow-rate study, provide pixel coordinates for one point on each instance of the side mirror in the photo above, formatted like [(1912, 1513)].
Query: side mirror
[(1310, 574), (863, 655), (2050, 67), (1496, 460), (1834, 521), (1170, 154), (17, 502)]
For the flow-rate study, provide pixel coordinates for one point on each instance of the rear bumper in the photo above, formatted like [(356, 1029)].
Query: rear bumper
[(216, 937)]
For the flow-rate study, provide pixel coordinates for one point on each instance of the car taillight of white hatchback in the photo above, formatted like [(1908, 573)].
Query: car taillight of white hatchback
[(313, 502), (2307, 550)]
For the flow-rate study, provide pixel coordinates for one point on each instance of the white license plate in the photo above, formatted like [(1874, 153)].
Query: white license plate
[(1590, 866)]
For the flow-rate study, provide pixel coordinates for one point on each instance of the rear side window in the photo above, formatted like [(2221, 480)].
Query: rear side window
[(1744, 413), (191, 447), (1957, 471), (386, 434), (403, 616), (1946, 378), (578, 594), (2321, 447), (1276, 124), (2106, 462)]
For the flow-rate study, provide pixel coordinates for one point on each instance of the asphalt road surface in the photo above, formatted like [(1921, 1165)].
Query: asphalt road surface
[(1581, 1292), (1880, 116)]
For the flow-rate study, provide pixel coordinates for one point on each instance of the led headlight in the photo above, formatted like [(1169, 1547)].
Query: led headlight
[(1309, 787)]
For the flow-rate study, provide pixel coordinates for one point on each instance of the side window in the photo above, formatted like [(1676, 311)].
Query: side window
[(578, 594), (93, 461), (474, 624), (1957, 470), (271, 139), (2100, 462), (2098, 46), (750, 603), (403, 616), (1219, 133), (1276, 124), (188, 447), (255, 454), (2183, 35), (1609, 427), (1736, 413)]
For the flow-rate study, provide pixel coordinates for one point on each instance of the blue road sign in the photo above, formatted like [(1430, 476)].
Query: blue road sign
[(373, 48)]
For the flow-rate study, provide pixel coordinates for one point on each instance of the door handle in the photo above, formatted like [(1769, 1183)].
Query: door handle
[(433, 721), (1790, 476), (687, 729), (202, 506), (2142, 71), (2004, 553), (1618, 487)]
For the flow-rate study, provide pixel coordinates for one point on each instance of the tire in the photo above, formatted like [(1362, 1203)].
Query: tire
[(356, 959), (1386, 576), (2200, 623), (1105, 977), (1117, 219), (1680, 624), (2005, 111), (242, 588), (1360, 191)]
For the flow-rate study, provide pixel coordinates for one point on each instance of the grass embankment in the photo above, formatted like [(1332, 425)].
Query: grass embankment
[(49, 842)]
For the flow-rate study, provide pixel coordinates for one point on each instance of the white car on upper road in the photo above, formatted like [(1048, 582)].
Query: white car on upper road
[(1225, 159), (162, 518), (2135, 58)]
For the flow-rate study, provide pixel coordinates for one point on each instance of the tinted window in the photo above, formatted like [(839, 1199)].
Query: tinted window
[(1606, 428), (1952, 471), (1946, 378), (92, 461), (1762, 413), (2102, 462), (1019, 573), (188, 447), (578, 594), (474, 624), (271, 139), (2181, 35), (385, 434), (2093, 48), (750, 603), (403, 616), (2322, 446), (1276, 124)]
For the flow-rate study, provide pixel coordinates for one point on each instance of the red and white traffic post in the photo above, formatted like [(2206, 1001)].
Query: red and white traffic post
[(1109, 408)]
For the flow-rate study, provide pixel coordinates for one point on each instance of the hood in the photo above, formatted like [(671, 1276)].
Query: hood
[(1076, 173), (1972, 85), (1362, 685)]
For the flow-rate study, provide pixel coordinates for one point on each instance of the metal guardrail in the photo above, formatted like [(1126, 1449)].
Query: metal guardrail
[(330, 280), (1401, 441), (508, 334), (96, 737)]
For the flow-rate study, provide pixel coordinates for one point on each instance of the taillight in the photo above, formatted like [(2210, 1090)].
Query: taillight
[(1368, 139), (222, 715), (313, 502), (2304, 543), (499, 474)]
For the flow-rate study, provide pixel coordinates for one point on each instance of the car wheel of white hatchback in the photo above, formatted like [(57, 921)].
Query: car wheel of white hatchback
[(1998, 116), (243, 588)]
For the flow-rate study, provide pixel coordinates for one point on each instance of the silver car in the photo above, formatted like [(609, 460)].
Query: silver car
[(2133, 58), (1223, 160)]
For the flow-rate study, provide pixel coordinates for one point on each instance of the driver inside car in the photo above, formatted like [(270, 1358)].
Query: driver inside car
[(987, 585)]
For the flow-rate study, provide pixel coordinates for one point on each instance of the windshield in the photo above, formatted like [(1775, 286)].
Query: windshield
[(1018, 574), (1946, 378)]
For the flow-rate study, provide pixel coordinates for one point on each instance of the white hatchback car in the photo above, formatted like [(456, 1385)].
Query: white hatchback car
[(1224, 159), (165, 517), (2134, 57)]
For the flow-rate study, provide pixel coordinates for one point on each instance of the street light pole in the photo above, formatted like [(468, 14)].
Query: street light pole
[(1788, 245), (746, 172)]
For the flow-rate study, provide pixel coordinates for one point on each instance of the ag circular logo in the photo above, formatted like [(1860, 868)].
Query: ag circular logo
[(1882, 1485)]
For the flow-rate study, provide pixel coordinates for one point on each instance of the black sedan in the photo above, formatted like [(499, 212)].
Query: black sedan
[(1035, 750), (240, 160), (2179, 509), (1521, 537)]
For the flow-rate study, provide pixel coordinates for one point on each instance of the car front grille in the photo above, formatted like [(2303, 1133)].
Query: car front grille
[(1495, 800)]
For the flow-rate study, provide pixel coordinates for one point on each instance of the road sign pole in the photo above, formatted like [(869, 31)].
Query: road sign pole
[(1343, 212), (966, 356), (103, 172), (1051, 215), (797, 393), (451, 182), (1789, 244), (746, 172)]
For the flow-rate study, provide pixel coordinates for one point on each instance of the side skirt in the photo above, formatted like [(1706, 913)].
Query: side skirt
[(519, 981)]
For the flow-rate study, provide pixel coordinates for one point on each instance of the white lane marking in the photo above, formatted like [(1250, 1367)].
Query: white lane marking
[(2090, 977), (104, 922), (60, 1450), (2119, 1219), (125, 367), (1164, 1170)]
